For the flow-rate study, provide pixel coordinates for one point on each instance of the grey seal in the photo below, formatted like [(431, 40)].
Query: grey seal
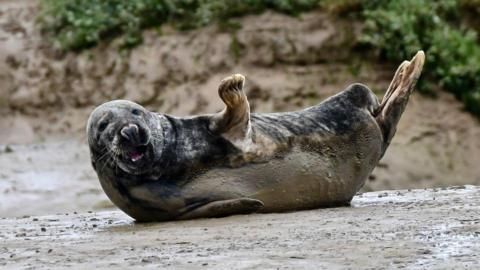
[(158, 167)]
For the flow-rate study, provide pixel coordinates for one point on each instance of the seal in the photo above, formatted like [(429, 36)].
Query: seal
[(158, 167)]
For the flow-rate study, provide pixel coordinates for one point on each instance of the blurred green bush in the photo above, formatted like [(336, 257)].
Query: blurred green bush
[(399, 28), (80, 24), (396, 29)]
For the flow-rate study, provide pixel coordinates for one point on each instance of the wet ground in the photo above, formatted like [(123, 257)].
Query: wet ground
[(48, 178), (417, 229)]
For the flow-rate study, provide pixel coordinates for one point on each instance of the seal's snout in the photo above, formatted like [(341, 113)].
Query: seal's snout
[(134, 135), (130, 133)]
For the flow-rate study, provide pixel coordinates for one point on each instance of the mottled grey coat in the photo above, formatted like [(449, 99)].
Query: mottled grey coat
[(160, 167)]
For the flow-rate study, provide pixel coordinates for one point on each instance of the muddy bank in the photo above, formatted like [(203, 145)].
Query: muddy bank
[(172, 71), (418, 229)]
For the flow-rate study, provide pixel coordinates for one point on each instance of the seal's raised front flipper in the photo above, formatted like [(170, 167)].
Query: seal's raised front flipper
[(233, 123), (393, 104), (224, 208)]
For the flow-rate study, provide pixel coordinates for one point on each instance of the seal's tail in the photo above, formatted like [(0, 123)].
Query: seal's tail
[(396, 98)]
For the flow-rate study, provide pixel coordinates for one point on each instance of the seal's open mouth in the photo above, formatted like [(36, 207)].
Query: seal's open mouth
[(135, 158), (135, 154)]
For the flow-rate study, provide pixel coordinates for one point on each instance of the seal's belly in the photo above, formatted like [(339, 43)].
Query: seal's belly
[(329, 173), (306, 180)]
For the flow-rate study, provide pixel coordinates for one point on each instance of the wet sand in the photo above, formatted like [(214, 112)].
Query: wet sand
[(48, 178), (418, 229)]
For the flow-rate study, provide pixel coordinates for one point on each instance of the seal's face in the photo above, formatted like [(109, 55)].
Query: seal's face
[(123, 134)]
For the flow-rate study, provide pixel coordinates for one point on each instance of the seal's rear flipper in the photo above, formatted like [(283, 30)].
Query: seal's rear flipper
[(224, 208), (233, 123), (393, 104)]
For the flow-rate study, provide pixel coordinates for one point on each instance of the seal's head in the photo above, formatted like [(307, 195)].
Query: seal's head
[(122, 134)]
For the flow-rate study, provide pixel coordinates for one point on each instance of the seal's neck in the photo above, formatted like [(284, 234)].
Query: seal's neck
[(164, 142)]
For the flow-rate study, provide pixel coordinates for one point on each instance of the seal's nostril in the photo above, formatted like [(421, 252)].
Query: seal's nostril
[(125, 134), (130, 132)]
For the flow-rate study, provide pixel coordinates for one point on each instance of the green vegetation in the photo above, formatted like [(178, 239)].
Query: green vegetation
[(399, 28), (395, 29), (80, 24)]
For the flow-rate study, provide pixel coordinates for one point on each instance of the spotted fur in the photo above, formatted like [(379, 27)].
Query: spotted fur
[(237, 162)]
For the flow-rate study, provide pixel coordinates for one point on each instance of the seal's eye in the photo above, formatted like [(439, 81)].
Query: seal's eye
[(136, 112), (103, 125)]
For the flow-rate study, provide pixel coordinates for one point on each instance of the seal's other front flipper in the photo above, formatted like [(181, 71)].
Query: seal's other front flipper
[(233, 123), (396, 98), (224, 208)]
